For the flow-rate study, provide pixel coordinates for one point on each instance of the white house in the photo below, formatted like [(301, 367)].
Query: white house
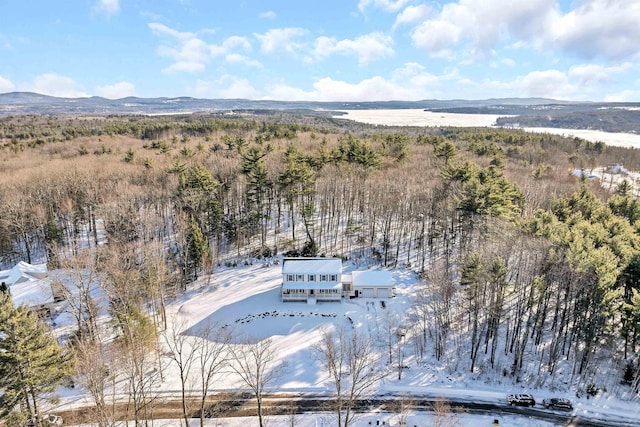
[(311, 279), (28, 285), (616, 168), (321, 279)]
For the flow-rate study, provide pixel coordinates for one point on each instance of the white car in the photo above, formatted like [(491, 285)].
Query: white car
[(52, 420)]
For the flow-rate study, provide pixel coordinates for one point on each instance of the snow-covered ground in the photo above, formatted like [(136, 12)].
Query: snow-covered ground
[(419, 117), (421, 419), (246, 299)]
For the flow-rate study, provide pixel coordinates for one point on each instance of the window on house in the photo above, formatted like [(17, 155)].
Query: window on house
[(334, 278), (312, 277), (291, 278), (323, 277), (299, 277)]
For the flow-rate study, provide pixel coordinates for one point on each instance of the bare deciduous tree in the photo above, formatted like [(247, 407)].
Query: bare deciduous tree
[(444, 415), (183, 353), (352, 364), (403, 406), (213, 344), (93, 373), (83, 278), (254, 361)]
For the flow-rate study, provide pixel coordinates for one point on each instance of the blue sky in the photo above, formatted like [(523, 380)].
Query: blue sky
[(329, 50)]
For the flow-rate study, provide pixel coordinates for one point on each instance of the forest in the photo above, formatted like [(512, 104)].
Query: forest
[(513, 251), (606, 118)]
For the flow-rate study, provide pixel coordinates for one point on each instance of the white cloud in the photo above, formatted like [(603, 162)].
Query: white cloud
[(327, 89), (160, 29), (284, 92), (386, 5), (415, 81), (437, 37), (236, 42), (483, 23), (508, 62), (591, 28), (6, 85), (239, 88), (116, 90), (226, 86), (191, 54), (626, 95), (367, 48), (415, 75), (594, 73), (236, 58), (605, 28), (546, 84), (281, 39), (269, 14), (107, 7), (56, 85), (411, 14), (411, 81)]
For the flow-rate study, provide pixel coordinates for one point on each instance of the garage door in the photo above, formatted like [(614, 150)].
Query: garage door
[(383, 293), (367, 293)]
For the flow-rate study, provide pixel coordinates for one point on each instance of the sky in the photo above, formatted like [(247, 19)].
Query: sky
[(329, 50)]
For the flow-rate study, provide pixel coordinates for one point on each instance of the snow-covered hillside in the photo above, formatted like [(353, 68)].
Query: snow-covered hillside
[(246, 301)]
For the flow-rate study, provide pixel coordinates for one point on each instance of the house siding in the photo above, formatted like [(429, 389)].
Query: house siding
[(321, 279)]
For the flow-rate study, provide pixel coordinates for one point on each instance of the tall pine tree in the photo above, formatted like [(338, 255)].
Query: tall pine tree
[(31, 362)]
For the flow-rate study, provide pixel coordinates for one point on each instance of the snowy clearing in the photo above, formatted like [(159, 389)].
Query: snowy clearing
[(247, 300)]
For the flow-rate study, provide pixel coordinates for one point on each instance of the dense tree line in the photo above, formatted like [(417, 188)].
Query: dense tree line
[(605, 119), (527, 271)]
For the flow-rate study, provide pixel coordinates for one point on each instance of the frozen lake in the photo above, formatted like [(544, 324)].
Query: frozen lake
[(419, 117)]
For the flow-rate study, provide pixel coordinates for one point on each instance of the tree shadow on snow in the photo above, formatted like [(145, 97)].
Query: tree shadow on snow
[(263, 316)]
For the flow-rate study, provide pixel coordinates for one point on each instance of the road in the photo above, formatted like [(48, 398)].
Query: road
[(241, 404)]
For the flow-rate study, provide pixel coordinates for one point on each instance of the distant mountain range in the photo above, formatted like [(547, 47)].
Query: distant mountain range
[(33, 103), (536, 112)]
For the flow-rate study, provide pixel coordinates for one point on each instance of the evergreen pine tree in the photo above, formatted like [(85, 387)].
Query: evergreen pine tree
[(31, 361), (198, 248)]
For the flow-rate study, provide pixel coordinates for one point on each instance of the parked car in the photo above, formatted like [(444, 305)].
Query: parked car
[(558, 403), (521, 399), (52, 420)]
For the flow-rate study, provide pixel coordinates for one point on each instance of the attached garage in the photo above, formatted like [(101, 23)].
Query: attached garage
[(367, 293), (372, 283), (384, 293)]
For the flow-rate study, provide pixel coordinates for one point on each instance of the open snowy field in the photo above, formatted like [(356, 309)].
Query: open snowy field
[(246, 301), (419, 117)]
